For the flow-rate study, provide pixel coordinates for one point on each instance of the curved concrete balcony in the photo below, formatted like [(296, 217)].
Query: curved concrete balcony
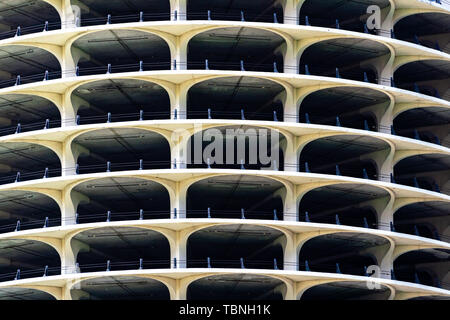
[(83, 198), (177, 243), (43, 16), (280, 103), (159, 284), (108, 184), (81, 56)]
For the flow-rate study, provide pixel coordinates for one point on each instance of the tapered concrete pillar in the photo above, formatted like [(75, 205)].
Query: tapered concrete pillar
[(178, 6), (178, 202), (178, 248), (70, 249), (291, 9)]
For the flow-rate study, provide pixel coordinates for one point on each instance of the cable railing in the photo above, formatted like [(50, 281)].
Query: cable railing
[(338, 219), (127, 18), (275, 16), (236, 15), (210, 113), (142, 164), (196, 65), (242, 263)]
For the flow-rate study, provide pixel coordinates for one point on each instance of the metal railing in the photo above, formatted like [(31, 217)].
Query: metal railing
[(276, 16), (210, 263), (212, 213)]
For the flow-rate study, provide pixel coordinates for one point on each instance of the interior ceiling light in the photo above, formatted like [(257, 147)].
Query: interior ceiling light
[(250, 232), (17, 244), (246, 183), (25, 197), (118, 235), (116, 40), (12, 103), (103, 89), (16, 54), (258, 281), (19, 6), (93, 186), (236, 37), (115, 138), (255, 86), (117, 283)]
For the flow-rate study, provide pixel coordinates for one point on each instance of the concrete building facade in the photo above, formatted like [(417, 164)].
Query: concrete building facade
[(100, 104)]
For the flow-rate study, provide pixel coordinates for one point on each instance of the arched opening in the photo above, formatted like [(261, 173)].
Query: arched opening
[(124, 199), (237, 147), (346, 155), (24, 294), (346, 253), (121, 149), (427, 267), (345, 290), (122, 49), (236, 246), (425, 219), (226, 48), (124, 99), (346, 58), (427, 29), (22, 210), (427, 124), (20, 161), (22, 259), (430, 77), (26, 64), (94, 12), (236, 98), (236, 10), (23, 112), (123, 247), (120, 288), (236, 287), (346, 204), (344, 106), (426, 171), (30, 16), (235, 197), (350, 15)]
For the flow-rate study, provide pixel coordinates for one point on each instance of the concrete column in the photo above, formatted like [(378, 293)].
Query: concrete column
[(179, 150), (383, 66), (289, 101), (178, 201), (180, 7), (71, 152), (291, 9), (387, 23), (69, 14), (179, 53), (71, 200), (178, 248), (70, 249), (290, 254), (289, 52), (384, 257), (384, 161), (71, 104), (179, 102), (291, 160)]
